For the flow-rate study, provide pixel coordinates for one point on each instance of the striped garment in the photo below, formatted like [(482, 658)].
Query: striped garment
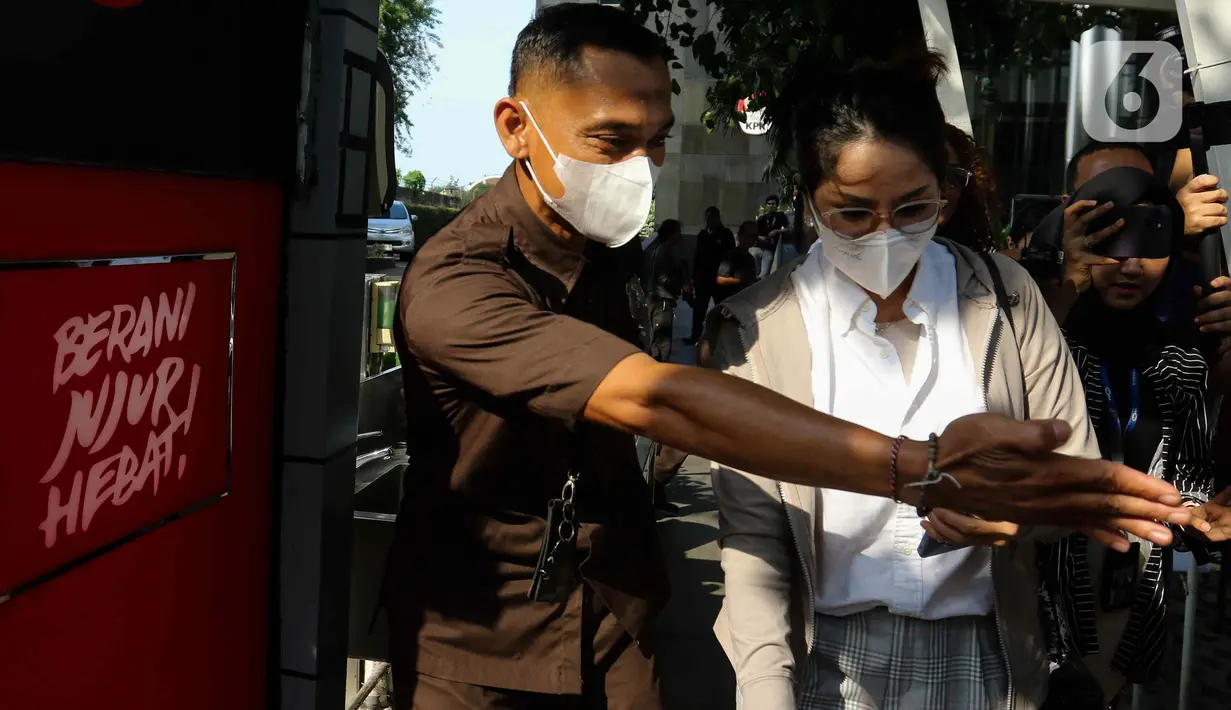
[(1184, 458), (875, 660)]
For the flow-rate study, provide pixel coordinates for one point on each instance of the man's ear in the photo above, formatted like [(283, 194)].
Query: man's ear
[(511, 128)]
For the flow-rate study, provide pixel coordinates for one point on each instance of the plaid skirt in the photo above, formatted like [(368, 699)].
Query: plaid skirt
[(876, 660)]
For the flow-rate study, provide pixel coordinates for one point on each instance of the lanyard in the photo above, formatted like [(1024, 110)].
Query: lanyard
[(1122, 429)]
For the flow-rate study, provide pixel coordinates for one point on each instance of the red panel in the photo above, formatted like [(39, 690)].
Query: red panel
[(128, 370), (177, 617)]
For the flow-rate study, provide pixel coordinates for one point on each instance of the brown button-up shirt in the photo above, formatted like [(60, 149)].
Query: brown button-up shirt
[(504, 333)]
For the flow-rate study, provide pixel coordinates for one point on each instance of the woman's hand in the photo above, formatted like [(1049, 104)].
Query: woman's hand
[(1078, 243), (1217, 515), (948, 526)]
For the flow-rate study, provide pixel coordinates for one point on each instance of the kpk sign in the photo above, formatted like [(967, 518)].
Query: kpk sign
[(753, 122), (120, 394)]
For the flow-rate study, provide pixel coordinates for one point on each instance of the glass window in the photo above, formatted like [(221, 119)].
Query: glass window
[(398, 211)]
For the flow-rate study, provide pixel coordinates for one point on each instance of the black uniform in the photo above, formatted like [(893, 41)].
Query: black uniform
[(712, 246)]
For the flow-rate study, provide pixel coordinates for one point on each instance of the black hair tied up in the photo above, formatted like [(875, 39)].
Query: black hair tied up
[(823, 110)]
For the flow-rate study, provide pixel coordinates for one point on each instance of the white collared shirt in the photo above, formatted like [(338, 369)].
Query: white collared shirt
[(867, 546)]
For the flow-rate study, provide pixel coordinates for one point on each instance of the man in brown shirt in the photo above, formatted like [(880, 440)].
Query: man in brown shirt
[(520, 369)]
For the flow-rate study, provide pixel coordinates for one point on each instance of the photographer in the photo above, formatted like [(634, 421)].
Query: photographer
[(1060, 254), (1145, 374)]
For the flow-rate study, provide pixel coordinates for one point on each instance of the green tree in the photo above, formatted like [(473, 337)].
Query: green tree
[(408, 39), (754, 48), (414, 181)]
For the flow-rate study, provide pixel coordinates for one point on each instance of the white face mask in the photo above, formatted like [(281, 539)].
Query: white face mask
[(607, 203), (879, 262)]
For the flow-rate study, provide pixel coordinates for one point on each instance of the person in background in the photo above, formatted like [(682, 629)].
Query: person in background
[(631, 260), (771, 226), (789, 245), (1027, 221), (1203, 206), (1145, 386), (829, 603), (738, 269), (969, 217), (713, 242), (1204, 202), (664, 279)]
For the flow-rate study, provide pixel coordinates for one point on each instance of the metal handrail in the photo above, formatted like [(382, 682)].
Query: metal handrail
[(378, 672)]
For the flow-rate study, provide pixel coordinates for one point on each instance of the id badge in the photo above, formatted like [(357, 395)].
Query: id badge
[(1119, 580), (556, 574)]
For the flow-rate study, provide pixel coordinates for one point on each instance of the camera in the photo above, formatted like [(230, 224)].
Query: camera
[(1043, 262)]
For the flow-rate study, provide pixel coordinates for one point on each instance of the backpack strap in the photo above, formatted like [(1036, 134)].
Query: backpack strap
[(1006, 307)]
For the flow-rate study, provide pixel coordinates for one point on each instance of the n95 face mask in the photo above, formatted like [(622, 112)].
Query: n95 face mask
[(608, 204), (878, 262)]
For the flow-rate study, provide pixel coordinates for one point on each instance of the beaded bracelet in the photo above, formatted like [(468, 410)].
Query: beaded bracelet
[(933, 476), (893, 469)]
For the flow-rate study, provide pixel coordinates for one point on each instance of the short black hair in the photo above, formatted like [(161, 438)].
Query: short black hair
[(747, 224), (553, 40), (774, 198), (1028, 218), (1092, 148), (712, 209), (891, 100), (669, 227)]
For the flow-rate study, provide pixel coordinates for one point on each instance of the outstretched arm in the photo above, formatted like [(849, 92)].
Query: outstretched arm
[(1006, 469), (470, 320)]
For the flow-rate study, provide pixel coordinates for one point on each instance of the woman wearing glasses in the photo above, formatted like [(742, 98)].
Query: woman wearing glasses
[(968, 216), (829, 602)]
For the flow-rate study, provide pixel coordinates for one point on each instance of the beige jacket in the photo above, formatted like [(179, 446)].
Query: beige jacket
[(768, 547)]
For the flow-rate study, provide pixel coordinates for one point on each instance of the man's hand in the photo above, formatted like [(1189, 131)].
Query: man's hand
[(1217, 516), (948, 526), (1078, 242), (1204, 205), (1006, 470)]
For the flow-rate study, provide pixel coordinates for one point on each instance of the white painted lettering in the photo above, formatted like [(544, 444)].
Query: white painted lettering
[(57, 512), (152, 398)]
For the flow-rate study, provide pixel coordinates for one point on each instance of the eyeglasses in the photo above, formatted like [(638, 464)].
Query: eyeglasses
[(911, 218), (957, 177)]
